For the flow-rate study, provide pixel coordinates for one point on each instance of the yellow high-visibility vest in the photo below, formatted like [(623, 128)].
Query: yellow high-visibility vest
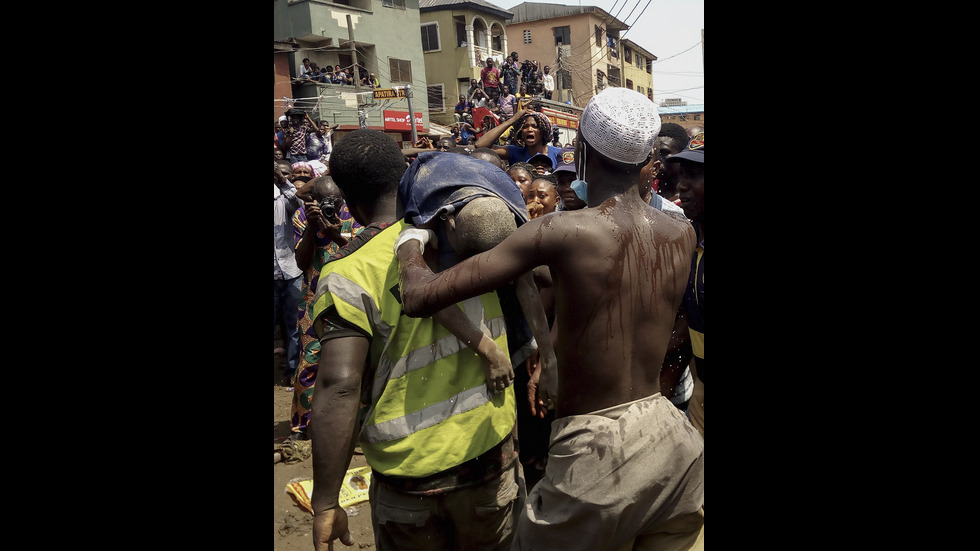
[(429, 406)]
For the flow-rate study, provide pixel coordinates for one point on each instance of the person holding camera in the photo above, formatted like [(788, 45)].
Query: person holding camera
[(325, 225), (510, 71)]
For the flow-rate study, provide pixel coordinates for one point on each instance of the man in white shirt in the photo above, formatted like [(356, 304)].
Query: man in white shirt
[(549, 82)]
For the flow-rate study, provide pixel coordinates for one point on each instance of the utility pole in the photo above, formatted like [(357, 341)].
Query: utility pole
[(411, 114), (558, 74), (357, 75)]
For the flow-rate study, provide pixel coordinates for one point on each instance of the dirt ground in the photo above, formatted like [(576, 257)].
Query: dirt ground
[(293, 525)]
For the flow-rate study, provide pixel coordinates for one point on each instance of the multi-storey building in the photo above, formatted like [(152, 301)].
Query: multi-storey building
[(637, 67), (381, 34), (458, 36), (580, 43)]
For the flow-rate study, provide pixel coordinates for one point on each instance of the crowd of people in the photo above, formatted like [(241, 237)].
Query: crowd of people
[(445, 320), (498, 94), (338, 75)]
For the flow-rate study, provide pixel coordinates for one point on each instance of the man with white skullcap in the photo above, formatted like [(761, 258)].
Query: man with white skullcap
[(625, 467)]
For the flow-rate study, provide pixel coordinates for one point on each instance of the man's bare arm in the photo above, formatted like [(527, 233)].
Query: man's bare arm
[(530, 299), (332, 432), (678, 356), (496, 362), (489, 138), (424, 293)]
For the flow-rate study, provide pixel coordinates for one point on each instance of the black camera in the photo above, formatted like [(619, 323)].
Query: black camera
[(327, 208)]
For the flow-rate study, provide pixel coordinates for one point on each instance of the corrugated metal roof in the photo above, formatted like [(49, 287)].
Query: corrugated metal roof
[(433, 5), (681, 109), (535, 11)]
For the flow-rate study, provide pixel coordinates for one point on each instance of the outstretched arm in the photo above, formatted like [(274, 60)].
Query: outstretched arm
[(424, 293), (490, 137)]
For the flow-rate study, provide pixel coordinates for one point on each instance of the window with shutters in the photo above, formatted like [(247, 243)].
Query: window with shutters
[(436, 96), (400, 70), (563, 35), (527, 36), (430, 37)]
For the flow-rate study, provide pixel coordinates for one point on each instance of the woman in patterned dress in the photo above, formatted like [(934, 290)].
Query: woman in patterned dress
[(327, 241)]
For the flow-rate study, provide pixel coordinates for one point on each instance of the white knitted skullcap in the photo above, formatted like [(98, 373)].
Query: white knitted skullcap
[(621, 124)]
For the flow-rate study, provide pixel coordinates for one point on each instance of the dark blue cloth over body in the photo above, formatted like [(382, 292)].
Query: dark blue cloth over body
[(439, 182), (435, 182)]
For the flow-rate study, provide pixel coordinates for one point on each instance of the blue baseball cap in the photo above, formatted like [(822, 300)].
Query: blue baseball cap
[(566, 160), (693, 152)]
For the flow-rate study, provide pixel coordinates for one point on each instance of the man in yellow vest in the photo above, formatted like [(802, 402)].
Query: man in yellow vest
[(439, 443)]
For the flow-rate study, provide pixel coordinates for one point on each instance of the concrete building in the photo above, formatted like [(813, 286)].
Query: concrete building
[(684, 115), (457, 38), (637, 67), (580, 43), (386, 40), (282, 54)]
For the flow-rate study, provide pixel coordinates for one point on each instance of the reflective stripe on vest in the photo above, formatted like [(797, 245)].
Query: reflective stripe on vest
[(423, 357), (442, 348), (353, 303), (401, 427), (430, 409)]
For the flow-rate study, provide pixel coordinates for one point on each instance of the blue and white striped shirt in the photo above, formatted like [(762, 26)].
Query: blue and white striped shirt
[(285, 205)]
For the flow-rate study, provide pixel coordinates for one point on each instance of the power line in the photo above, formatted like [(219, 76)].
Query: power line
[(594, 63), (677, 54)]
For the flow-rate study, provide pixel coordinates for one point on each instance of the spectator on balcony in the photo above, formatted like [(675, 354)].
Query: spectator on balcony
[(363, 73), (490, 77), (374, 82), (479, 99), (549, 82), (510, 70), (339, 76), (474, 84), (534, 79), (305, 68)]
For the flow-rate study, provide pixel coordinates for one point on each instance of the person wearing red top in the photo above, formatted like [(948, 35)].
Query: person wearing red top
[(490, 77)]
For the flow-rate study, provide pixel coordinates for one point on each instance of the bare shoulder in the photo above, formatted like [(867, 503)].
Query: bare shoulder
[(603, 228), (670, 223)]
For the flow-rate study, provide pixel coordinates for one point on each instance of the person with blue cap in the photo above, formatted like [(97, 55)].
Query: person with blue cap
[(625, 467), (689, 327), (565, 175)]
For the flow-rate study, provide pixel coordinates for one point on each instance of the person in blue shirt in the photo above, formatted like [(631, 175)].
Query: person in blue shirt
[(534, 132), (466, 130)]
